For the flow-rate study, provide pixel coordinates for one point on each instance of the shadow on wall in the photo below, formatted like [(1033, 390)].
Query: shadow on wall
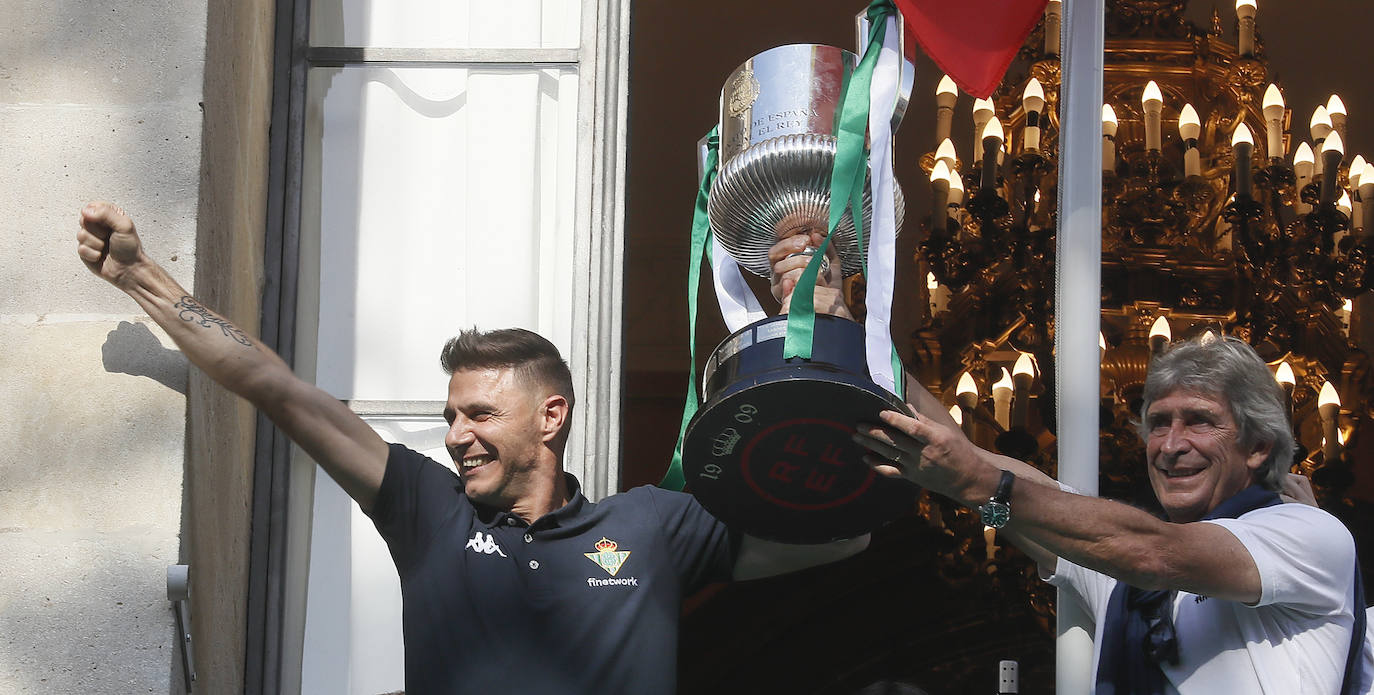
[(131, 348)]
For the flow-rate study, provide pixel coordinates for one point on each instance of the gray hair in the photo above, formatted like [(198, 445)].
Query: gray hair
[(1228, 369)]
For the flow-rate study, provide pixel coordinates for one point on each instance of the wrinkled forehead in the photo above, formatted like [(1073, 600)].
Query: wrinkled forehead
[(1190, 399)]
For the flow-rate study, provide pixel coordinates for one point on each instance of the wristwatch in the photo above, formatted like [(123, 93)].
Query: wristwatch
[(996, 512)]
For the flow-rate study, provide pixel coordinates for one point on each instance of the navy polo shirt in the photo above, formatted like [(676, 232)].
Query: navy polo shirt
[(584, 600)]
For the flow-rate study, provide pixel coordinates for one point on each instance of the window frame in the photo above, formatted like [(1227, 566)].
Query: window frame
[(283, 491)]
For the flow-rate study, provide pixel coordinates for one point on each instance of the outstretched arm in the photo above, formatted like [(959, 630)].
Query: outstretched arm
[(345, 446), (1113, 538)]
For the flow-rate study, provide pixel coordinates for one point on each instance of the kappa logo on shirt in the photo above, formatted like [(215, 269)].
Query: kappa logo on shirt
[(483, 543)]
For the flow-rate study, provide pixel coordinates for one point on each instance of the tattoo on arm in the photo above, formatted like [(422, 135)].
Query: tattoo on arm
[(193, 311)]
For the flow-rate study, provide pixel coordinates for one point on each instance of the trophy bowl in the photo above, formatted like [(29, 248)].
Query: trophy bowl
[(777, 151)]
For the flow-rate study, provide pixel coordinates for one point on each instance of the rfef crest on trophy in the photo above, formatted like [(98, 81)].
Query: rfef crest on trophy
[(769, 451)]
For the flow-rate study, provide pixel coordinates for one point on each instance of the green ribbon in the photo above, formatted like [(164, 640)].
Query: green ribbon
[(673, 479), (846, 181)]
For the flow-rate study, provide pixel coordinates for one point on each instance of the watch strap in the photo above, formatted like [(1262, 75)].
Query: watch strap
[(996, 512), (1003, 493)]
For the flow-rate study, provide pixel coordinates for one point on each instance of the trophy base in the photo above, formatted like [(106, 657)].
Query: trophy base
[(770, 452)]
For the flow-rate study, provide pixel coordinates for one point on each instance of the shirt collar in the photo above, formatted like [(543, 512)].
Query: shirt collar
[(492, 517)]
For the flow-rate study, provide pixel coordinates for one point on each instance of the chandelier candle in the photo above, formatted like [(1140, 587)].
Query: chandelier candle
[(1328, 408), (1160, 335), (1273, 121), (1245, 12), (1023, 374), (1320, 127), (1053, 12), (1302, 169), (956, 194), (1001, 399), (1033, 101), (1189, 128), (1287, 382), (945, 96), (1108, 139), (1152, 101), (939, 184), (1332, 152), (966, 396), (982, 111), (1243, 146), (945, 153), (1335, 110), (992, 146)]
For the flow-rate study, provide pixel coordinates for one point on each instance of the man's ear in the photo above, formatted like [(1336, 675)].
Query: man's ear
[(553, 416), (1259, 453)]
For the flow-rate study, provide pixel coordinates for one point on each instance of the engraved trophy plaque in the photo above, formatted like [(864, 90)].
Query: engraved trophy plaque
[(770, 451)]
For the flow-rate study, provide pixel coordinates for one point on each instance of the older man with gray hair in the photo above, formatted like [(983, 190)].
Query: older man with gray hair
[(1233, 592)]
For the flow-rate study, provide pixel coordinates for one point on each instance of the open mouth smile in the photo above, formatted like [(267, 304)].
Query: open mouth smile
[(474, 462), (1182, 472)]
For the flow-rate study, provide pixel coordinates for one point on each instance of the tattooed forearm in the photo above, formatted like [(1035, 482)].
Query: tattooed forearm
[(193, 311)]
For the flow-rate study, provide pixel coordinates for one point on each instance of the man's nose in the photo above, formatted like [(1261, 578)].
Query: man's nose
[(459, 434), (1175, 440)]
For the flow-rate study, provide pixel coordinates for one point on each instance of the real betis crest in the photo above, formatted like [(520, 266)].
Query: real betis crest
[(607, 556)]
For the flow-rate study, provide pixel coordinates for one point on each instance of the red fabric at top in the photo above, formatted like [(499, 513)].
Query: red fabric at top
[(973, 41)]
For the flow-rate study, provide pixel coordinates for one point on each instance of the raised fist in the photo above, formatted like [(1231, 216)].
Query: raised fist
[(107, 242), (798, 241)]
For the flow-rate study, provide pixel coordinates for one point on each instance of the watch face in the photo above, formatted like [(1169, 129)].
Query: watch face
[(995, 514)]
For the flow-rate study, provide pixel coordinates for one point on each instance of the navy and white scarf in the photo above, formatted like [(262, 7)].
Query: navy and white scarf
[(1139, 631)]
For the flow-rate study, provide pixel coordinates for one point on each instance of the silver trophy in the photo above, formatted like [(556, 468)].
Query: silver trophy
[(777, 149), (769, 451)]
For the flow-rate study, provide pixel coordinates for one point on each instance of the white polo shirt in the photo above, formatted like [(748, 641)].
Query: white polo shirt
[(1294, 640)]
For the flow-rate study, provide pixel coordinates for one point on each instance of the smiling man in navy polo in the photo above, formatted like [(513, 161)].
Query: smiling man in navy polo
[(515, 582), (512, 580)]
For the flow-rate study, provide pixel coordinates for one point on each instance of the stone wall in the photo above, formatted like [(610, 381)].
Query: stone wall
[(97, 100)]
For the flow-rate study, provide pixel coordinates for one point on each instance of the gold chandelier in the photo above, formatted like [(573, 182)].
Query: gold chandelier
[(1217, 215)]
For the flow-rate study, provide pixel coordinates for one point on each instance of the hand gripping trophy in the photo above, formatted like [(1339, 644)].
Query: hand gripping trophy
[(769, 450)]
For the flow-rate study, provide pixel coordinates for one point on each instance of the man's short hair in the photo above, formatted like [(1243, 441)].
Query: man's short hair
[(534, 359), (1228, 369)]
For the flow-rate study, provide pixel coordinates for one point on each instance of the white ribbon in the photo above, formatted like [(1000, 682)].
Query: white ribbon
[(738, 305), (882, 238)]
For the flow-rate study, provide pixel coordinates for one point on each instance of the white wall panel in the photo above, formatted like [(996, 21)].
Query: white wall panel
[(445, 200), (354, 598)]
